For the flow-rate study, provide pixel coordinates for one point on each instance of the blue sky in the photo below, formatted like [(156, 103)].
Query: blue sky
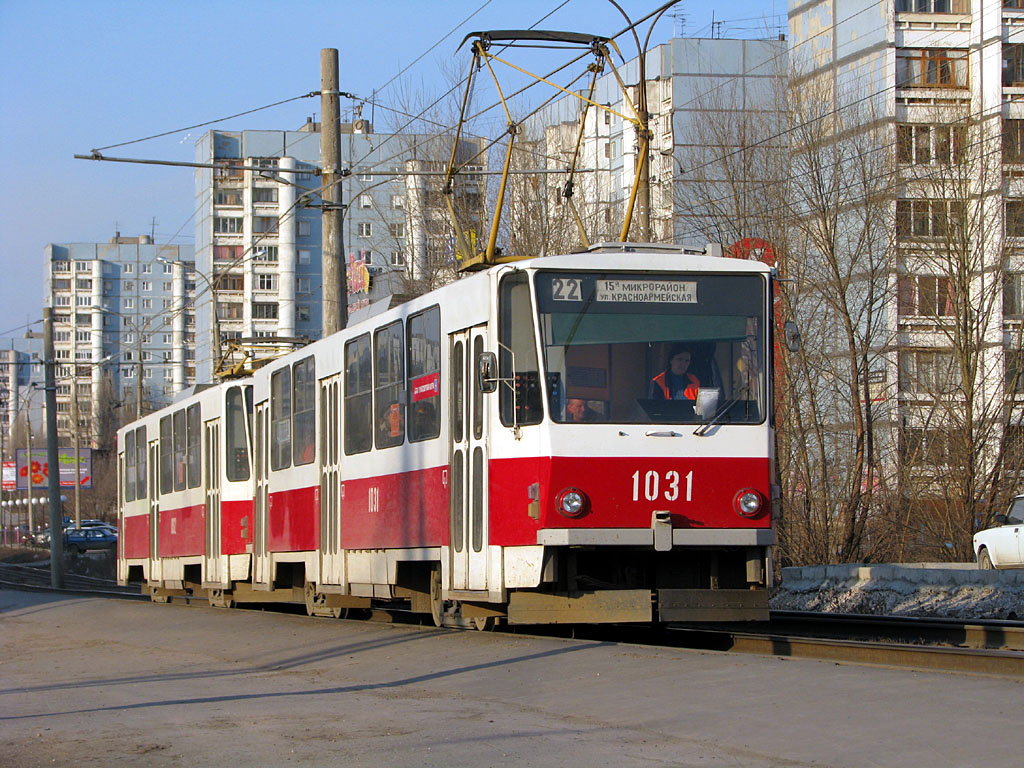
[(81, 74)]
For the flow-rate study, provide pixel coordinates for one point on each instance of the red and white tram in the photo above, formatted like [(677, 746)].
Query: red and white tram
[(507, 446)]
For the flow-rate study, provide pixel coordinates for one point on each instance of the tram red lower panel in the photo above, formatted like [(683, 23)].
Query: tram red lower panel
[(134, 539), (236, 526), (293, 520), (406, 509), (182, 531), (624, 492)]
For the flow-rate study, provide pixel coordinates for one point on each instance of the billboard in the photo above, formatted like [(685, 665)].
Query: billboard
[(10, 472), (40, 468)]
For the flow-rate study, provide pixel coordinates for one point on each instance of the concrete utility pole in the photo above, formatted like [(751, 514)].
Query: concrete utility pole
[(335, 291), (52, 459)]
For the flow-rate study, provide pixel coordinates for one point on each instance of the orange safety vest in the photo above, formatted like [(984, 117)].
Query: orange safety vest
[(690, 393)]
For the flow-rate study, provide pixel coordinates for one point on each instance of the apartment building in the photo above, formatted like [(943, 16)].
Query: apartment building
[(21, 367), (124, 330), (258, 230), (698, 91)]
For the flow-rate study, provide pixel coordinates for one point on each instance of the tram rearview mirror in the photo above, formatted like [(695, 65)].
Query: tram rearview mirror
[(486, 367), (792, 334)]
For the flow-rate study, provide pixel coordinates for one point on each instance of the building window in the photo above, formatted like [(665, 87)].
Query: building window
[(932, 68), (165, 303), (930, 447), (147, 303), (62, 301), (129, 303), (929, 218), (264, 310), (304, 256), (364, 173), (129, 285), (304, 228), (266, 282), (933, 6), (1013, 65), (398, 201), (147, 269), (229, 310), (1013, 294), (365, 201), (228, 252), (1015, 218), (129, 268), (83, 266), (146, 285), (264, 253), (232, 197), (230, 283), (927, 372), (302, 313), (1014, 359), (264, 194), (264, 224), (365, 229), (302, 285), (83, 284), (397, 259), (924, 144), (227, 225), (168, 269), (926, 296), (397, 229), (168, 285)]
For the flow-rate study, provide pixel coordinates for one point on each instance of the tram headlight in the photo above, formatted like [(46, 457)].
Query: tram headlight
[(572, 502), (748, 503)]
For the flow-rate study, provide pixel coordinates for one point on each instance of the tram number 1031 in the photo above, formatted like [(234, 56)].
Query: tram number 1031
[(655, 486)]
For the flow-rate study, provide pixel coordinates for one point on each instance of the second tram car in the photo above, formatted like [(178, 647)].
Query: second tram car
[(578, 438)]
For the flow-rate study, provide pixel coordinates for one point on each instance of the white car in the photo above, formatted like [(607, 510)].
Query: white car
[(1003, 546)]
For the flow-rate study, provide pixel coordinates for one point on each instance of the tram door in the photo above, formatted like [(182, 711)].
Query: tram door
[(211, 460), (468, 483), (153, 494), (261, 572), (332, 560)]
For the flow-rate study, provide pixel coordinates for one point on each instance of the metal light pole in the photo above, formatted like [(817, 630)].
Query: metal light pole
[(52, 457)]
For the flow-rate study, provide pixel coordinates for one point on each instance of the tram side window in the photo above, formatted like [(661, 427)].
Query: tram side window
[(193, 445), (389, 386), (179, 450), (424, 389), (281, 419), (519, 349), (237, 463), (304, 419), (129, 466), (358, 396), (166, 456), (141, 443)]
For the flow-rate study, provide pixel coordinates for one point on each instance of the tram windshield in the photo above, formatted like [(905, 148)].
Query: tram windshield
[(663, 348)]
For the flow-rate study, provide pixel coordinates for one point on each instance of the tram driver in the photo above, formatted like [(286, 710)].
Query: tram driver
[(676, 382)]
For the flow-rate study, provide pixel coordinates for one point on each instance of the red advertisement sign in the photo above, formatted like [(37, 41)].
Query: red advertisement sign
[(425, 387)]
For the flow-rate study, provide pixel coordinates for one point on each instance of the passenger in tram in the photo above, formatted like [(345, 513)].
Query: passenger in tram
[(676, 382), (576, 409), (391, 425)]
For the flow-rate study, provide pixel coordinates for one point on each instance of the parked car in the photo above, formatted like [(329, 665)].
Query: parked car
[(77, 540), (1003, 546)]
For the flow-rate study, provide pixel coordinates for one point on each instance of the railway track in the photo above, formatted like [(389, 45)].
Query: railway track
[(952, 645)]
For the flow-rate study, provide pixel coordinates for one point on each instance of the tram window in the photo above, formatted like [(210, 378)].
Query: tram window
[(458, 392), (478, 499), (166, 456), (389, 386), (424, 331), (458, 500), (237, 459), (193, 445), (358, 396), (179, 450), (478, 396), (140, 463), (304, 418), (281, 419), (518, 345), (333, 441), (129, 466), (325, 416)]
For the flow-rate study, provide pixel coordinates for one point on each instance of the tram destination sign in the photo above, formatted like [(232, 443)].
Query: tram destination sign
[(646, 291)]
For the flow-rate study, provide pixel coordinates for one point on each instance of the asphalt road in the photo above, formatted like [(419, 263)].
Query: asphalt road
[(109, 682)]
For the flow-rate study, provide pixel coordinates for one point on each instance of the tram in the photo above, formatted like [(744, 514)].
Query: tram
[(510, 447)]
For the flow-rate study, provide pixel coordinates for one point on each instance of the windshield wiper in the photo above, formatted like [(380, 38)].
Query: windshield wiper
[(722, 410)]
